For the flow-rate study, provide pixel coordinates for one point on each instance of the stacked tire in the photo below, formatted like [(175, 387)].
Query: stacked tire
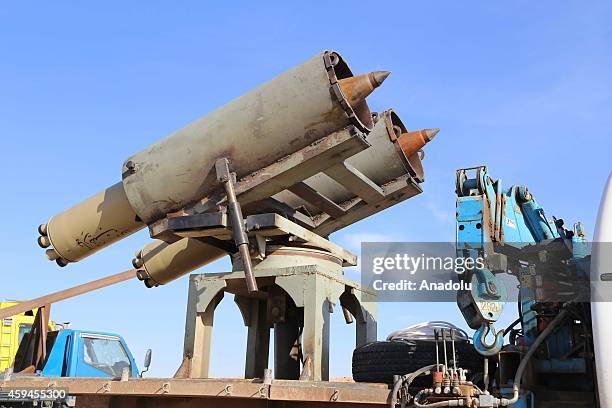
[(379, 361)]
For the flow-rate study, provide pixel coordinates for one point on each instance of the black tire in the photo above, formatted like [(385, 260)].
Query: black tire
[(379, 361)]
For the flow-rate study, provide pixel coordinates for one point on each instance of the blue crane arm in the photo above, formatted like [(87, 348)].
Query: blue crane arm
[(496, 224)]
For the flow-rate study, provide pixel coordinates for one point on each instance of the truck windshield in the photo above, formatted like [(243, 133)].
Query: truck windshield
[(106, 354)]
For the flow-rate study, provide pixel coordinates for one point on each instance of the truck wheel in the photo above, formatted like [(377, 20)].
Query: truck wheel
[(379, 361)]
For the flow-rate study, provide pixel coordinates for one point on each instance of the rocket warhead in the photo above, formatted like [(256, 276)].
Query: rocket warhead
[(358, 87), (413, 142)]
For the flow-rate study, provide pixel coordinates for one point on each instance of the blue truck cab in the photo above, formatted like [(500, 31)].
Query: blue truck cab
[(80, 353)]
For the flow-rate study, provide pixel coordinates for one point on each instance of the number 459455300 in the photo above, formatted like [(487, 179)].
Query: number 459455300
[(34, 394)]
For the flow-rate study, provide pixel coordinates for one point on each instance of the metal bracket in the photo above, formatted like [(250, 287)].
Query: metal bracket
[(228, 179)]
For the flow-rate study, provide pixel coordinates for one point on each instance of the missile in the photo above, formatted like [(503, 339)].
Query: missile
[(385, 160), (289, 112), (413, 142), (159, 262), (280, 117), (357, 88)]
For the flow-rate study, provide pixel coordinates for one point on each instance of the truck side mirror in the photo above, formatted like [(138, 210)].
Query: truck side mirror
[(147, 362)]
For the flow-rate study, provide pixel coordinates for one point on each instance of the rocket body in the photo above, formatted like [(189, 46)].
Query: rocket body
[(264, 125)]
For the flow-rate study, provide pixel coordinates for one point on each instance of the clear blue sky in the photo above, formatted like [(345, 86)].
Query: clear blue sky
[(524, 87)]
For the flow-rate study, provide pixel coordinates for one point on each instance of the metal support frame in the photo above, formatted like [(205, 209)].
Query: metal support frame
[(327, 155), (254, 314), (270, 180), (302, 295), (216, 225), (311, 293)]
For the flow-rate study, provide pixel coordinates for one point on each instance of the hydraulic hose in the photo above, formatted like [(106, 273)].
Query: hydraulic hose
[(407, 380), (523, 365), (449, 403), (511, 326)]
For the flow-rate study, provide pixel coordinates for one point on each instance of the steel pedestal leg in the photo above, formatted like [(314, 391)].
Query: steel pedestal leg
[(258, 337), (286, 363)]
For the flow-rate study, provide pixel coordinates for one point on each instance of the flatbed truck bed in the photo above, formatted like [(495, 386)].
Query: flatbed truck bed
[(217, 392)]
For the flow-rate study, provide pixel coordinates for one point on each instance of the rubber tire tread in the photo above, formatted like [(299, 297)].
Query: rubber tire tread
[(379, 361)]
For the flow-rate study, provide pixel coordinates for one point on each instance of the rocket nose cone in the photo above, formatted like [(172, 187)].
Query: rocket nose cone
[(431, 133), (378, 77)]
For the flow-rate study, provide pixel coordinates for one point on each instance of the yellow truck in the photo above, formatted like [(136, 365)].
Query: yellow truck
[(12, 330)]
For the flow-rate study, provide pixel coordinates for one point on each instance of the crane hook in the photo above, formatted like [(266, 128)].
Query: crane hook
[(480, 342)]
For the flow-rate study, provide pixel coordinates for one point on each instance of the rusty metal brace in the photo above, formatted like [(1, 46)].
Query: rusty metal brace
[(228, 179)]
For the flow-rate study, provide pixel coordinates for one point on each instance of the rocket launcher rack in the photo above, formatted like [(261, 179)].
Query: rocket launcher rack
[(267, 215), (216, 225)]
